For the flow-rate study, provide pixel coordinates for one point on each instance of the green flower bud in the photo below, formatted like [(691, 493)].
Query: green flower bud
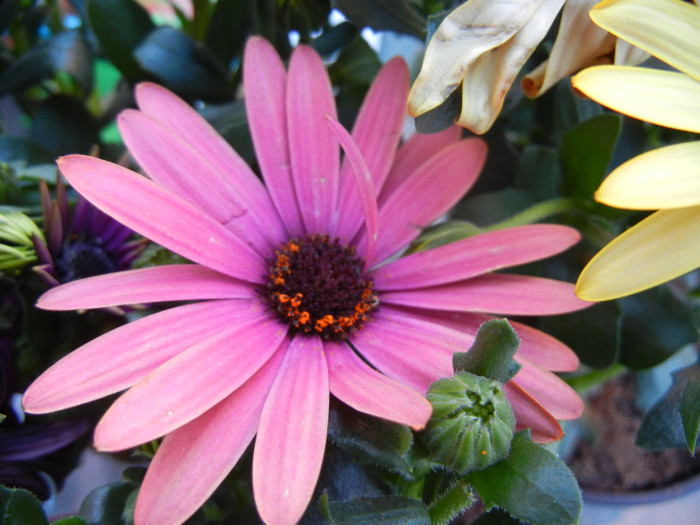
[(16, 240), (472, 423)]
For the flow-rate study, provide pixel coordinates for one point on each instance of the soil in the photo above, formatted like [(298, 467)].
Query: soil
[(612, 462)]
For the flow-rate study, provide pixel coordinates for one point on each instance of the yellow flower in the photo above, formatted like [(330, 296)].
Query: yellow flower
[(664, 245), (483, 44)]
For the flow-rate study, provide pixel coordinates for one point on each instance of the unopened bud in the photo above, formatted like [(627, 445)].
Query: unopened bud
[(472, 423)]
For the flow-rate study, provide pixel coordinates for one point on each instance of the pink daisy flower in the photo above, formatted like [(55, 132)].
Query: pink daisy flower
[(298, 291)]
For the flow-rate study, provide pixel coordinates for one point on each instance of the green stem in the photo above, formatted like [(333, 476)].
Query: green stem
[(588, 380), (200, 19), (536, 213)]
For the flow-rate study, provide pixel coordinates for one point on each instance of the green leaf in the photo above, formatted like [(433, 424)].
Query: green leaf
[(585, 154), (371, 440), (20, 149), (120, 26), (387, 510), (662, 426), (72, 520), (562, 110), (492, 353), (62, 126), (357, 64), (496, 516), (7, 11), (451, 503), (383, 15), (532, 484), (539, 171), (655, 325), (334, 38), (65, 52), (20, 507), (441, 117), (690, 413), (183, 65), (495, 206), (106, 504), (593, 333), (228, 28)]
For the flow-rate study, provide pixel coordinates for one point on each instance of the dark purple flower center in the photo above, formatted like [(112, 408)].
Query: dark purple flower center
[(79, 259), (318, 286)]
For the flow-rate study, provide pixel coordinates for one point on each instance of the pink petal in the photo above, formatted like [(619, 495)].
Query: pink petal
[(363, 185), (543, 350), (176, 282), (120, 358), (376, 132), (414, 152), (161, 216), (292, 434), (501, 294), (314, 152), (539, 348), (265, 82), (174, 162), (191, 382), (475, 256), (412, 351), (555, 396), (194, 459), (530, 414), (366, 390), (239, 183), (428, 192)]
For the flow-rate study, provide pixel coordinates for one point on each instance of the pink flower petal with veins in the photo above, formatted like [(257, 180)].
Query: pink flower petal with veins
[(428, 192), (557, 398), (162, 216), (314, 152), (363, 185), (366, 390), (414, 352), (502, 294), (474, 256), (191, 382), (289, 450), (376, 132), (530, 414), (265, 82), (175, 282), (120, 358), (177, 468), (415, 151), (173, 162), (543, 350), (238, 182)]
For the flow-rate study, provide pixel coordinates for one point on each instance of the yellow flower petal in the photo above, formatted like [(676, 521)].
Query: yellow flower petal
[(668, 29), (666, 98), (660, 248), (490, 76), (579, 43), (468, 32), (664, 178)]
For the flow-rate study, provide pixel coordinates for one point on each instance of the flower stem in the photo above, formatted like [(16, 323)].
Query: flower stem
[(536, 213)]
